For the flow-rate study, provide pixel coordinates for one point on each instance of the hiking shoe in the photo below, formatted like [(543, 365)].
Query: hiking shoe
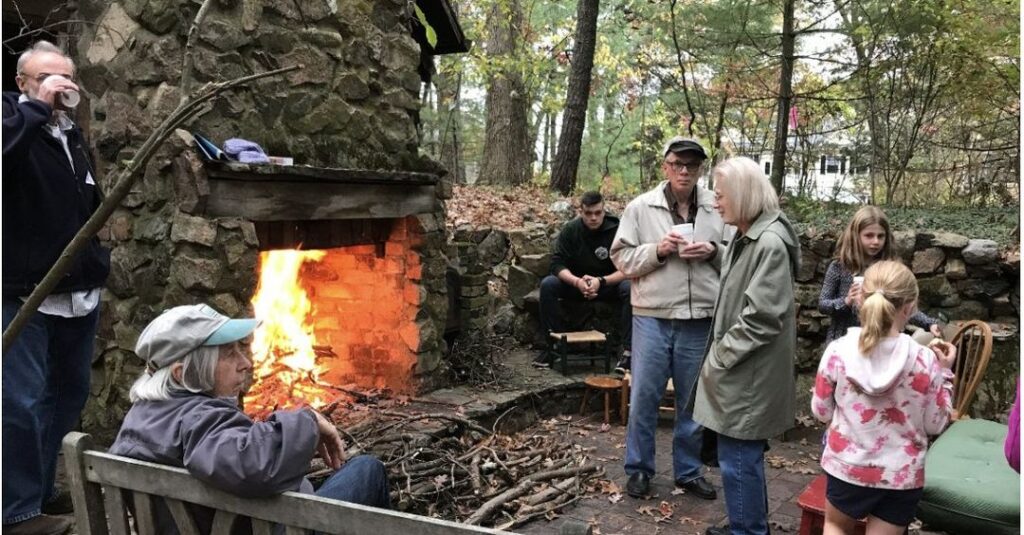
[(622, 366), (60, 504), (40, 525), (542, 360)]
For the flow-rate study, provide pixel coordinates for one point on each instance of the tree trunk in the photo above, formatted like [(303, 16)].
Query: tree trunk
[(785, 97), (449, 106), (552, 138), (567, 160), (506, 158), (545, 154)]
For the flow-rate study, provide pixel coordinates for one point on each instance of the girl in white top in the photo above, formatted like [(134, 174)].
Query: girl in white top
[(882, 394)]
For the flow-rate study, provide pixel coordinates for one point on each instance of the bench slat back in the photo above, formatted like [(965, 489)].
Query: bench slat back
[(89, 469), (145, 522), (117, 510)]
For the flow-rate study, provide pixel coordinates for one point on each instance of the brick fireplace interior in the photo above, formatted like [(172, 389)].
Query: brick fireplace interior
[(341, 298)]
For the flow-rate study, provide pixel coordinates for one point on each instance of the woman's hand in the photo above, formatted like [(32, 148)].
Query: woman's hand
[(330, 445), (944, 351)]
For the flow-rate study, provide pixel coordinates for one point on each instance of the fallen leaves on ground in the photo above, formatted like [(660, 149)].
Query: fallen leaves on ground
[(506, 208), (793, 466)]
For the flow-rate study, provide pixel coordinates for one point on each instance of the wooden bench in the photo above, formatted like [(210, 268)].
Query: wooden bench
[(562, 341), (101, 485)]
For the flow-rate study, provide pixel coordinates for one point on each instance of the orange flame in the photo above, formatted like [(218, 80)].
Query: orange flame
[(283, 346)]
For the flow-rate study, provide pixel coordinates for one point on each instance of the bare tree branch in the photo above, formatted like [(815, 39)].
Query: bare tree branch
[(187, 60)]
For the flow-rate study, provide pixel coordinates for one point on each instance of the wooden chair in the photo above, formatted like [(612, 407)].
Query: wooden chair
[(973, 341), (593, 340)]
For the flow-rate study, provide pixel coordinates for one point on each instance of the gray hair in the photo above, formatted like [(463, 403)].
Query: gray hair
[(199, 368), (42, 46), (747, 186)]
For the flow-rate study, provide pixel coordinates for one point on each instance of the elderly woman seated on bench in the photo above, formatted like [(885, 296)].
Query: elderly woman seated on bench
[(185, 413)]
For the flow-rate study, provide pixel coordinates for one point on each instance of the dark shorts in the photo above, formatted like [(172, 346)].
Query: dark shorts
[(893, 506)]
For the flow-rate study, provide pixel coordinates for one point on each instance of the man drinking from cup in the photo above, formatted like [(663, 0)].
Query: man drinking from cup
[(49, 192), (665, 246)]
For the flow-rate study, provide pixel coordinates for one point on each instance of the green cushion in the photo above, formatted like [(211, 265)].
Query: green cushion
[(969, 487)]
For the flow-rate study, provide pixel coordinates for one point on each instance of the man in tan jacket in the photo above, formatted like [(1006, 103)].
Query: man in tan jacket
[(674, 274)]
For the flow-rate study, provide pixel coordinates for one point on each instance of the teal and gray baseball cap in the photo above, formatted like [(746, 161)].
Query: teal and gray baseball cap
[(180, 330)]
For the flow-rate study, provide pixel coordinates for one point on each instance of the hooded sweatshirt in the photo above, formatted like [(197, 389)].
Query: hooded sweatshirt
[(880, 409)]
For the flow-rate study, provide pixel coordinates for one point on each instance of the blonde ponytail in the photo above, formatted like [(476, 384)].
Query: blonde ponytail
[(889, 286)]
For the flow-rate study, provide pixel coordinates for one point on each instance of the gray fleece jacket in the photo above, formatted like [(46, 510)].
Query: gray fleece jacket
[(220, 445)]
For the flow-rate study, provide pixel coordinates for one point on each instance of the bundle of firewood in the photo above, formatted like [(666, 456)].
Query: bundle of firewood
[(447, 466)]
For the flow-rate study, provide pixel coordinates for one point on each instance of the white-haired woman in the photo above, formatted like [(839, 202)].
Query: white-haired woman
[(746, 390), (185, 413)]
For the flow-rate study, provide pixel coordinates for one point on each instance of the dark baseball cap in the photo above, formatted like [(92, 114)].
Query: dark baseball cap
[(680, 144)]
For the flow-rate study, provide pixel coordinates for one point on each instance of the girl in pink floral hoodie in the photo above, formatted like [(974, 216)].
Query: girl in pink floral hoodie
[(882, 394)]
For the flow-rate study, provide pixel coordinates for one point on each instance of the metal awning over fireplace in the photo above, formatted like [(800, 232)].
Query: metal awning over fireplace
[(316, 207)]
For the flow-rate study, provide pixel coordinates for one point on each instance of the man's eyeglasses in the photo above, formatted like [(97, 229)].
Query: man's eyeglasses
[(678, 166)]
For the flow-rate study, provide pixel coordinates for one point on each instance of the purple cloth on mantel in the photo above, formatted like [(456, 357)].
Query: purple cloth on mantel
[(245, 151)]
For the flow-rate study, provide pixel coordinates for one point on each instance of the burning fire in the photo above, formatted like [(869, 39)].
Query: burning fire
[(285, 370)]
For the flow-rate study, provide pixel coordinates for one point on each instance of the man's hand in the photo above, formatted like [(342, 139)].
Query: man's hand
[(699, 250), (589, 285), (330, 445), (669, 245), (935, 330), (51, 87)]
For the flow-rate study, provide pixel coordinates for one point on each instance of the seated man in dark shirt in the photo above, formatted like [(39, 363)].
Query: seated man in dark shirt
[(581, 269)]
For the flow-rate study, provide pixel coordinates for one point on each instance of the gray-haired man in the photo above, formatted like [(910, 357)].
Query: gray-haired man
[(49, 191)]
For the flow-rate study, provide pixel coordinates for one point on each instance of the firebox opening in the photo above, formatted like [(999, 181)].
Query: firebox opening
[(337, 318)]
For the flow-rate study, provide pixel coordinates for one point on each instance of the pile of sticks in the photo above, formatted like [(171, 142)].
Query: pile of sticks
[(446, 466)]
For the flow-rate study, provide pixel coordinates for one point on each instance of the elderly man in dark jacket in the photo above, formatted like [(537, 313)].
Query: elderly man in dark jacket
[(582, 269), (49, 191)]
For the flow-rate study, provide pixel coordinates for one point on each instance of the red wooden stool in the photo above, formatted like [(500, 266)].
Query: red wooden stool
[(812, 501)]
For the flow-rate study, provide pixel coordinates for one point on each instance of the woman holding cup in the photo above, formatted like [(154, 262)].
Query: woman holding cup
[(867, 239)]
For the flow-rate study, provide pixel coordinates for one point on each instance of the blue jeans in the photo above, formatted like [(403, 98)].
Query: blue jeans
[(746, 493), (662, 349), (45, 385), (362, 480), (552, 289)]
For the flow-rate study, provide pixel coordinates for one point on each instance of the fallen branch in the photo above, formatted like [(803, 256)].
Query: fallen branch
[(488, 509)]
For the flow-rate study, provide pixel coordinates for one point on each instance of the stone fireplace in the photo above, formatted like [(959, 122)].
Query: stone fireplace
[(341, 292), (360, 191)]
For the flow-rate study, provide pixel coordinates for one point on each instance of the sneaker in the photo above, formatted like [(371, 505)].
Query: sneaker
[(622, 366), (60, 504), (39, 525), (542, 360)]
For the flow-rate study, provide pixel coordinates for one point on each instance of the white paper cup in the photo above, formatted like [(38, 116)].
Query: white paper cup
[(686, 231), (858, 280)]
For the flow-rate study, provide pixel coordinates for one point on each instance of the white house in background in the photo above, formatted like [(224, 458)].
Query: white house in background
[(830, 174)]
